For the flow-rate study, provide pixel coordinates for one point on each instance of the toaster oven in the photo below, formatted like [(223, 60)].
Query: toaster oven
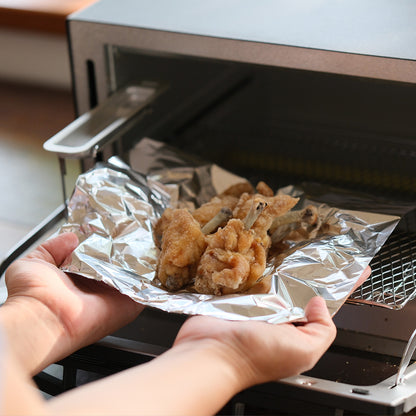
[(283, 91)]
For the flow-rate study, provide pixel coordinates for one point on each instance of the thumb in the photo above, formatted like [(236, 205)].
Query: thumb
[(319, 322), (317, 311), (319, 319), (57, 249)]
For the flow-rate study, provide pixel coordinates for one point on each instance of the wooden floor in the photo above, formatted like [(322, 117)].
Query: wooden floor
[(30, 182)]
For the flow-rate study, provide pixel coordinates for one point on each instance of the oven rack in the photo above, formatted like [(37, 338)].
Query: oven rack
[(392, 282)]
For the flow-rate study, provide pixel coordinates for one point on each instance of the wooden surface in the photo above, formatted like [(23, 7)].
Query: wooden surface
[(40, 15)]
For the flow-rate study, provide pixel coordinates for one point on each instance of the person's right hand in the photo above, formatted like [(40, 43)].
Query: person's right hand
[(49, 315)]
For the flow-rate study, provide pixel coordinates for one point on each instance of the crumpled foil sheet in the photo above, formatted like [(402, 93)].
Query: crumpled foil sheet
[(113, 209)]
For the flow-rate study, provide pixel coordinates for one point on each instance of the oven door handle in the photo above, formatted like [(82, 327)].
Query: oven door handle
[(88, 133)]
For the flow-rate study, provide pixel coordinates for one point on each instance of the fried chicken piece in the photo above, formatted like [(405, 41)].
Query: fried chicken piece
[(207, 211), (223, 215), (238, 189), (233, 258), (264, 189), (233, 261), (227, 199), (275, 206), (182, 244), (236, 255), (305, 222)]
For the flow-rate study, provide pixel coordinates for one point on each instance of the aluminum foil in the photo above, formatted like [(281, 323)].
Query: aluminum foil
[(114, 207)]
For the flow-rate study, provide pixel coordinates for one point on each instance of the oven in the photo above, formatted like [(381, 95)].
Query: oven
[(284, 91)]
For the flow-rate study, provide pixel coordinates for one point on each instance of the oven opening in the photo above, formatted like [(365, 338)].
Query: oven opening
[(278, 124)]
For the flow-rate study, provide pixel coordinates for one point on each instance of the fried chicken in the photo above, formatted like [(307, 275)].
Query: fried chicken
[(182, 244), (222, 247), (275, 206), (207, 211), (233, 261), (306, 223), (236, 255), (227, 199)]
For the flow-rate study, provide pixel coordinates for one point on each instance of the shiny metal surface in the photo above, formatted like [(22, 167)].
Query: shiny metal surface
[(350, 38), (354, 26), (407, 356), (392, 283), (91, 130)]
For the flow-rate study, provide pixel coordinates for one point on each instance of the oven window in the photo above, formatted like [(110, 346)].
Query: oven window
[(278, 124)]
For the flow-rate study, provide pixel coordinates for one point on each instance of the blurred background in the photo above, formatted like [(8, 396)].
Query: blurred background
[(35, 103)]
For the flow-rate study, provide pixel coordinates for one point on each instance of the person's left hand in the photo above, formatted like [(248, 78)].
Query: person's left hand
[(263, 352), (259, 352), (72, 311)]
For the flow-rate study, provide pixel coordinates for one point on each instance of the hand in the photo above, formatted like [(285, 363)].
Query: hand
[(263, 352), (74, 312)]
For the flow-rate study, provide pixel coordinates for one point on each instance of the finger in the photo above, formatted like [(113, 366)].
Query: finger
[(318, 317), (317, 311), (57, 249), (319, 321)]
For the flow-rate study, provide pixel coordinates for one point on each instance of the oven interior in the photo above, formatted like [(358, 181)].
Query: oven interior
[(279, 124)]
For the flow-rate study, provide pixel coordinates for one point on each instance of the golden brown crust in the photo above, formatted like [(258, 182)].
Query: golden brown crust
[(205, 212), (232, 258), (233, 261), (182, 245)]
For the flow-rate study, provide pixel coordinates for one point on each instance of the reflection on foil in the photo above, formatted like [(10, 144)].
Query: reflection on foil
[(113, 209)]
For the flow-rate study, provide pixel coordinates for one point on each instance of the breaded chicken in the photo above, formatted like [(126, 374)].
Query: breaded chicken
[(223, 255), (227, 199), (232, 262), (207, 211), (275, 206), (182, 244)]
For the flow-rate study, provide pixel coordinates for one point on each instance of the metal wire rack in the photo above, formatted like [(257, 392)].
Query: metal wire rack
[(393, 279)]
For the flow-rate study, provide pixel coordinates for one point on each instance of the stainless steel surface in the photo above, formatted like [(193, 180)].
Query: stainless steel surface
[(407, 356), (85, 135), (383, 393), (150, 350), (392, 283), (351, 38), (352, 26)]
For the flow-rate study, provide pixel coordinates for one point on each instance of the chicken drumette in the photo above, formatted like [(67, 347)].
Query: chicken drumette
[(182, 243), (275, 206), (232, 262), (227, 199), (223, 246), (235, 257)]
